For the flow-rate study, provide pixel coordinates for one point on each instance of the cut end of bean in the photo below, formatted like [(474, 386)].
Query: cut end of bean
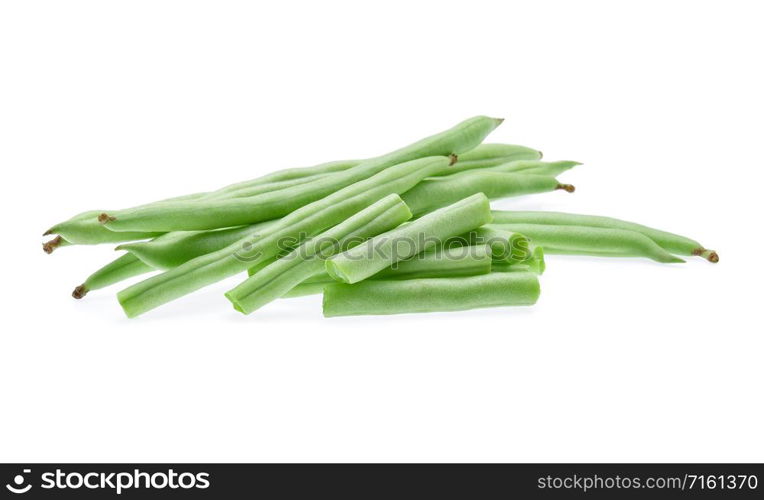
[(104, 218), (499, 121), (51, 245), (709, 255), (570, 188), (453, 159), (80, 292)]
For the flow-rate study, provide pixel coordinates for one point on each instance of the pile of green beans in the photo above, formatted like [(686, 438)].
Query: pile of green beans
[(406, 232)]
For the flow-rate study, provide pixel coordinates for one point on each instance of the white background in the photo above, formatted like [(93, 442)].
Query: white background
[(110, 104)]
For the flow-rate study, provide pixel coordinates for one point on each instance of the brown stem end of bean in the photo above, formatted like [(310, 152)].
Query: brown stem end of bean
[(453, 159), (104, 218), (51, 245), (80, 292), (709, 255), (570, 188)]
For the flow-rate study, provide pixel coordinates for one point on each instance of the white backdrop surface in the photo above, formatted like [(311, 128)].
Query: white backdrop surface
[(110, 104)]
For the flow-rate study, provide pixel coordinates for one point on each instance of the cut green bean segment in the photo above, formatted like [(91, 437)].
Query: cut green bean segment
[(438, 192), (535, 263), (506, 246), (300, 224), (429, 295), (307, 260), (121, 268), (594, 241), (211, 214), (173, 249), (438, 263), (409, 240), (670, 242)]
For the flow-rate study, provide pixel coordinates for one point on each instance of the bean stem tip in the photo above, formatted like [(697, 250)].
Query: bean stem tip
[(570, 188), (80, 292), (453, 159), (51, 245)]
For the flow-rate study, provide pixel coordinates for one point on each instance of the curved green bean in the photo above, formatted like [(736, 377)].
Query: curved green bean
[(300, 224), (429, 295), (438, 192), (211, 214), (595, 241), (671, 242), (121, 268), (276, 279), (409, 240)]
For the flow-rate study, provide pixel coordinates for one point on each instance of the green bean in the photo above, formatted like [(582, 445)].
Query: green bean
[(123, 267), (438, 263), (595, 241), (506, 246), (410, 239), (300, 224), (509, 152), (84, 229), (534, 264), (211, 214), (671, 242), (273, 281), (291, 174), (438, 192), (552, 168), (429, 295), (173, 249)]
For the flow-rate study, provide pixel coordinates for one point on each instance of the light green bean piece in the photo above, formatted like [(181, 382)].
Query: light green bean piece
[(429, 295), (122, 268), (410, 239)]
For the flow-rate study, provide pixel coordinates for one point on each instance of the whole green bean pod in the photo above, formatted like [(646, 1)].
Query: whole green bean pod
[(410, 239), (175, 248), (290, 174), (276, 279), (595, 241), (492, 151), (300, 224), (429, 295), (438, 263), (536, 167), (438, 192), (122, 268), (211, 214), (671, 242), (84, 229)]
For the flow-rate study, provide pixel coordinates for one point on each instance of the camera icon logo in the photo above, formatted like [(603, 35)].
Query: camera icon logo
[(18, 481)]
